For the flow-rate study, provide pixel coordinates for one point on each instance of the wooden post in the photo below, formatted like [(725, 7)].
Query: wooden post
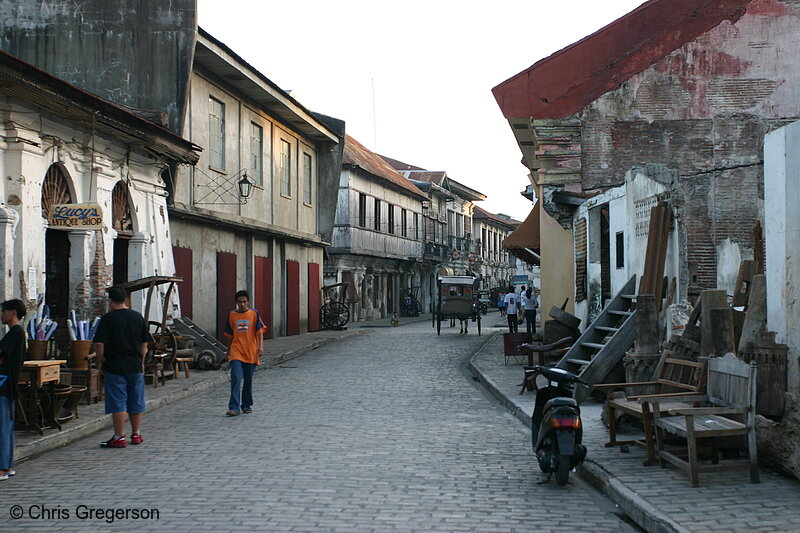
[(710, 299), (647, 333), (722, 331)]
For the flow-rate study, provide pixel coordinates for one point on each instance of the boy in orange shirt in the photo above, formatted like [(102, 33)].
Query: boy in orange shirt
[(245, 333)]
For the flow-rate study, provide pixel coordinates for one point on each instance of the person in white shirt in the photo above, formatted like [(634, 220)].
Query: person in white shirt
[(529, 303), (511, 310)]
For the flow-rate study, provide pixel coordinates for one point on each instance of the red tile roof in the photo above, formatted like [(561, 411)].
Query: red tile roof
[(567, 81), (357, 155)]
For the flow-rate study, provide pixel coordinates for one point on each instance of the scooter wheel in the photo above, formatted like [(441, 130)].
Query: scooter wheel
[(562, 473)]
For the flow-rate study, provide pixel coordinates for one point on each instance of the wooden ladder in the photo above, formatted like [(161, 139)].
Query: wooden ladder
[(604, 342)]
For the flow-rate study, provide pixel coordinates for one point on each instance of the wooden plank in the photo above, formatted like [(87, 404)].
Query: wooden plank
[(744, 280)]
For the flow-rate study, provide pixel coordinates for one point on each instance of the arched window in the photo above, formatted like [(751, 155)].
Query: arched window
[(122, 220), (55, 189)]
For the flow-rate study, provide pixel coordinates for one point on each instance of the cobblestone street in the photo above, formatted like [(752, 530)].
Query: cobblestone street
[(381, 432)]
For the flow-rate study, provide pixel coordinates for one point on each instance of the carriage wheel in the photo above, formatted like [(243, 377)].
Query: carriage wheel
[(479, 324), (439, 325), (163, 341), (334, 315)]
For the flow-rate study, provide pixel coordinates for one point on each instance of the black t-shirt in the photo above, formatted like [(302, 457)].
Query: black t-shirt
[(122, 332), (12, 354)]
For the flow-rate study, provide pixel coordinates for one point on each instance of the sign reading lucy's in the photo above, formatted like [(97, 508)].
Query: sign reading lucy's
[(76, 216)]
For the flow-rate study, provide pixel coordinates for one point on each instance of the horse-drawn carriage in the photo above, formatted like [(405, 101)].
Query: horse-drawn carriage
[(456, 300)]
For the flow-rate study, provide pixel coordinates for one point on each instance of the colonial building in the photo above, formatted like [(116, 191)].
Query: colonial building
[(256, 136), (378, 234), (448, 219), (83, 202), (692, 87), (494, 265)]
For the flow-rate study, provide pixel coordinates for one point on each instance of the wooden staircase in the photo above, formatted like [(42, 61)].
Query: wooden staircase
[(604, 341)]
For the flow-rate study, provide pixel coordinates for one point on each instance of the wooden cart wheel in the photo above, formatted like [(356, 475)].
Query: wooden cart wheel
[(334, 315), (164, 341)]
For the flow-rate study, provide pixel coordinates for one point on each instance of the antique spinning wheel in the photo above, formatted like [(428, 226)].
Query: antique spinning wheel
[(121, 209), (54, 190)]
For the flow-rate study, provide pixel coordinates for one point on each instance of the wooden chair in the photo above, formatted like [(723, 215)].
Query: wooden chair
[(731, 395), (686, 376)]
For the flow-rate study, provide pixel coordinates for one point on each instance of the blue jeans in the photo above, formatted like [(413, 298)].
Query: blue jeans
[(241, 396), (530, 320), (6, 433)]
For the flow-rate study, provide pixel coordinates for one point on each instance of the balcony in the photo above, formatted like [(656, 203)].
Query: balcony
[(459, 243), (436, 251)]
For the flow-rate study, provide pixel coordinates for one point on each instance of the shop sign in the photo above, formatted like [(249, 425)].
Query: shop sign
[(76, 216)]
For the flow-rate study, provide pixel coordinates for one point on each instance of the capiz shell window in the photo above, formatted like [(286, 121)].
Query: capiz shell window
[(308, 181), (216, 133), (286, 168)]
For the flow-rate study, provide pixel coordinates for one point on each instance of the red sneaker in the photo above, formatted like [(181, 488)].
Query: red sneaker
[(114, 443), (136, 438)]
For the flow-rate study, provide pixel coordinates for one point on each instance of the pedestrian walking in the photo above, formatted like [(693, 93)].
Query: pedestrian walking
[(501, 303), (120, 343), (12, 354), (529, 303), (244, 332), (511, 310)]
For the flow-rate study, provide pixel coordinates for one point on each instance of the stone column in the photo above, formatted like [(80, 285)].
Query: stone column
[(80, 262), (7, 219), (137, 258)]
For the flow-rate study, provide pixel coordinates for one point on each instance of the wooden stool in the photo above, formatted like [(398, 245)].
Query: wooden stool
[(183, 362)]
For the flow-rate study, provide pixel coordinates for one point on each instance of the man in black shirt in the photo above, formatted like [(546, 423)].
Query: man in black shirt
[(121, 344), (12, 354)]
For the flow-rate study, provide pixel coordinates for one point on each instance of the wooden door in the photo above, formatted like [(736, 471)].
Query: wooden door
[(313, 297), (262, 289), (183, 269), (56, 276), (292, 298), (226, 289)]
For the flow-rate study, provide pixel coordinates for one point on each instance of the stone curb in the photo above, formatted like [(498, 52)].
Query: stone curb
[(72, 433), (638, 509)]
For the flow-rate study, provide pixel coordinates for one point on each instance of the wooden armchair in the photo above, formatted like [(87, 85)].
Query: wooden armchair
[(686, 376), (731, 395)]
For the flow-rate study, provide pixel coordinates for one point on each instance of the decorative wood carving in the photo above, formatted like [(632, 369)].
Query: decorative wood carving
[(121, 210), (54, 190)]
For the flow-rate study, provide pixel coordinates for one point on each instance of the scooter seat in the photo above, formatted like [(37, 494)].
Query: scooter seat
[(560, 402)]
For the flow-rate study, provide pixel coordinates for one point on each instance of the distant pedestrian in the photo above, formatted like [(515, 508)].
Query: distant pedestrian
[(12, 354), (244, 331), (501, 303), (121, 345), (511, 310), (529, 303)]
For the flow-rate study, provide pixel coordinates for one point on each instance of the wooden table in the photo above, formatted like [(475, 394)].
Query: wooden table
[(37, 374)]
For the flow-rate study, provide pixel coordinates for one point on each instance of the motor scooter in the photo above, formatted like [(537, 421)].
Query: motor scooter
[(556, 428)]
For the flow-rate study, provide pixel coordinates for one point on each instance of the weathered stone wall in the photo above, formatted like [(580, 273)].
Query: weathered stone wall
[(133, 52), (704, 110)]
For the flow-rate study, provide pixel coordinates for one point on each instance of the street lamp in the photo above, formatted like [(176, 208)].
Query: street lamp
[(245, 187)]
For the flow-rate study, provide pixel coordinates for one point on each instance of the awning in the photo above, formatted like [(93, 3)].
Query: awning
[(523, 242)]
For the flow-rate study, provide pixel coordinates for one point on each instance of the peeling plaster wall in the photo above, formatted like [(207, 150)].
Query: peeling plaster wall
[(703, 110), (91, 176)]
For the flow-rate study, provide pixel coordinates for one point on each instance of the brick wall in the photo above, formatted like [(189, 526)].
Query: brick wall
[(101, 276)]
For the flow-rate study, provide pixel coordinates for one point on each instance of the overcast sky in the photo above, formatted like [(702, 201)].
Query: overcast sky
[(412, 79)]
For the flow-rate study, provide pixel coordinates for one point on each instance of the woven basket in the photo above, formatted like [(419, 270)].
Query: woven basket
[(37, 350)]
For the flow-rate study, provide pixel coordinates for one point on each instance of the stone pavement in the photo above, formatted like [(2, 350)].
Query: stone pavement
[(382, 432), (659, 500), (92, 418)]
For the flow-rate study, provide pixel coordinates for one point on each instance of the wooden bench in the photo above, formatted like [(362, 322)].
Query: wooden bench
[(731, 395), (687, 376)]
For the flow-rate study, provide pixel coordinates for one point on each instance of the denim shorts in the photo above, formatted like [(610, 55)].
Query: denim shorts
[(124, 392)]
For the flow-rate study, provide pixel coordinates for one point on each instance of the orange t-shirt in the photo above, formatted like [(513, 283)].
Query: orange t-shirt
[(244, 329)]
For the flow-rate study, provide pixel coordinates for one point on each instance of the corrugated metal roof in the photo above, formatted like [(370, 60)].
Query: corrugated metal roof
[(357, 155), (399, 165)]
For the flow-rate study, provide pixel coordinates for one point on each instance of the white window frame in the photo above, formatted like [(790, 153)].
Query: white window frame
[(257, 153), (216, 134)]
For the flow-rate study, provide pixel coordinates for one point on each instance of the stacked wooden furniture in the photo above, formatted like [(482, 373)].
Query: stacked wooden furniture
[(730, 411), (671, 375)]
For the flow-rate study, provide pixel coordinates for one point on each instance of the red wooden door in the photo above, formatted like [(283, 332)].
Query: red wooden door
[(313, 296), (226, 289), (183, 269), (292, 298), (262, 287)]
